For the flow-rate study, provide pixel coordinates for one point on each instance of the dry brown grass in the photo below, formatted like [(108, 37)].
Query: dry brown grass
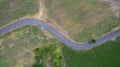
[(14, 9), (48, 61), (16, 48), (80, 19)]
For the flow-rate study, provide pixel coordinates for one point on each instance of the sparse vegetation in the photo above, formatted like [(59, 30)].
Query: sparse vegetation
[(11, 10), (17, 47), (82, 19)]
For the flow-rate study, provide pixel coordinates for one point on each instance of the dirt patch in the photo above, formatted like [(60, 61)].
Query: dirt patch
[(97, 19), (115, 7), (42, 11), (1, 0), (48, 61), (13, 4), (43, 15)]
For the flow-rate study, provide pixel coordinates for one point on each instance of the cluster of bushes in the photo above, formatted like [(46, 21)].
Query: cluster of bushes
[(56, 56), (42, 53), (39, 58)]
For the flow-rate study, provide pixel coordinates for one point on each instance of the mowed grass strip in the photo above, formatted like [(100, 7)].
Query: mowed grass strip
[(106, 55), (82, 19), (14, 9)]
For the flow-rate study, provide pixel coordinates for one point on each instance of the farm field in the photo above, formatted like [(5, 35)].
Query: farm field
[(105, 55), (83, 20), (17, 47), (14, 9)]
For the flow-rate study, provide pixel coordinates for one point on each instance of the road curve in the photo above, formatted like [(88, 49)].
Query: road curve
[(57, 34)]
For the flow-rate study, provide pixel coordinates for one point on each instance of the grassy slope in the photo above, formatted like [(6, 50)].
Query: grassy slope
[(82, 19), (16, 48), (106, 55), (14, 9)]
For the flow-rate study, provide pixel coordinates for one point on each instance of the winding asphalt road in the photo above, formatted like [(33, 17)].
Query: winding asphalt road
[(57, 34)]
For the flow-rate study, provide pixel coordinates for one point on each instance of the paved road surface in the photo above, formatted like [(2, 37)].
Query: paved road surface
[(57, 34)]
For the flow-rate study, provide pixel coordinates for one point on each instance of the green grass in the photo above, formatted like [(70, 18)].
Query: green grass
[(106, 55), (99, 29), (14, 9), (82, 19), (16, 47)]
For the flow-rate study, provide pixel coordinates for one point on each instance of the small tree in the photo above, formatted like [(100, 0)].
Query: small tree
[(93, 41), (37, 51)]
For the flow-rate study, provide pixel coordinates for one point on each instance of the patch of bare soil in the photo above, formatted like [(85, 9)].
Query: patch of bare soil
[(42, 11), (96, 19), (13, 4), (48, 61), (1, 0), (115, 7), (42, 15)]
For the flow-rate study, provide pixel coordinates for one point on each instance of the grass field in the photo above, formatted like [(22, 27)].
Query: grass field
[(16, 48), (14, 9), (106, 55), (82, 19)]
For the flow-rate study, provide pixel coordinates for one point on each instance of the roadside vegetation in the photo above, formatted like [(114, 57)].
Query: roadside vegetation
[(11, 10), (17, 47), (105, 55), (93, 41), (82, 19)]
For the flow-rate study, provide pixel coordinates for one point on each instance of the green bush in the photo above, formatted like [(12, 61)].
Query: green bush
[(41, 54)]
